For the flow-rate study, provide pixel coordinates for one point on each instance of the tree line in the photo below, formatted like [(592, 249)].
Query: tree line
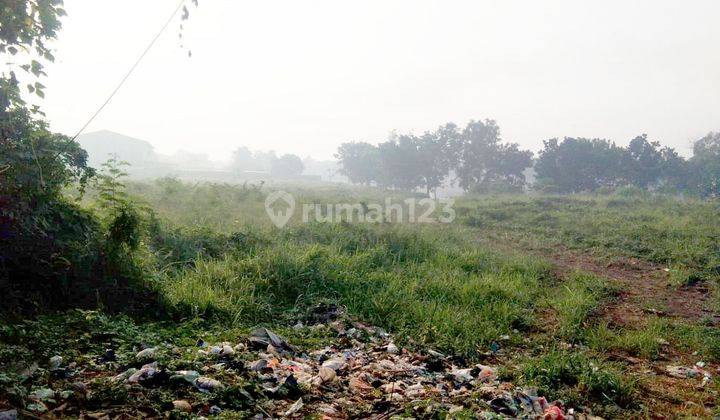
[(286, 166), (477, 159)]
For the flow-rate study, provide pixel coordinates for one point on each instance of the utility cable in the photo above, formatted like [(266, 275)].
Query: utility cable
[(134, 66)]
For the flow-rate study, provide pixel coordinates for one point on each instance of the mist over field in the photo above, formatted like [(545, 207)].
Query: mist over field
[(403, 209)]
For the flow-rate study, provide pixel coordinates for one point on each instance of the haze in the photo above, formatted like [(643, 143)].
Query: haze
[(303, 77)]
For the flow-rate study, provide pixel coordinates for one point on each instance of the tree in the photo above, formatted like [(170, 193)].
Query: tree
[(35, 164), (483, 160), (287, 166), (643, 162), (675, 171), (359, 161), (26, 26), (705, 166), (243, 160), (400, 163), (408, 162), (649, 165), (436, 155), (47, 243), (53, 253), (579, 164)]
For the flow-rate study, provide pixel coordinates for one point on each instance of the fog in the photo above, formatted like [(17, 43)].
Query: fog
[(304, 77)]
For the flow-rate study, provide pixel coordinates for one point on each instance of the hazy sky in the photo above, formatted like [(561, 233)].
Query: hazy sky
[(303, 76)]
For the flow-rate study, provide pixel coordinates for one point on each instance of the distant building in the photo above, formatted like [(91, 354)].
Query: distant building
[(102, 145)]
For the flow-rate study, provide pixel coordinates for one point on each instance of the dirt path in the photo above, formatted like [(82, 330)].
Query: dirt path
[(643, 288), (643, 291)]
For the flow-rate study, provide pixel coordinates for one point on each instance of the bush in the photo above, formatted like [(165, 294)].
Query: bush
[(53, 253), (498, 187), (631, 191)]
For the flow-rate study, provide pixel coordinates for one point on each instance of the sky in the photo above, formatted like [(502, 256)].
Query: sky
[(304, 76)]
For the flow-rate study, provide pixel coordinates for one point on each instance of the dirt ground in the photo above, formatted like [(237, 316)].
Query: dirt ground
[(643, 290)]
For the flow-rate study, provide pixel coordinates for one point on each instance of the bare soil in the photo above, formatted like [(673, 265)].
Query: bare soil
[(643, 290)]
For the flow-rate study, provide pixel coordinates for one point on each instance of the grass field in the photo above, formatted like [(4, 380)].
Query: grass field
[(681, 235), (545, 288)]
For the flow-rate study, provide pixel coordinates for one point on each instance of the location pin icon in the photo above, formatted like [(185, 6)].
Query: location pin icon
[(280, 207)]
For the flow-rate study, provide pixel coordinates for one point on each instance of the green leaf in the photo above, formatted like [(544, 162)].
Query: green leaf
[(36, 68), (12, 50)]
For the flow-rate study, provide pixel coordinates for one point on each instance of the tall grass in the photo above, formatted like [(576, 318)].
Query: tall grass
[(402, 279)]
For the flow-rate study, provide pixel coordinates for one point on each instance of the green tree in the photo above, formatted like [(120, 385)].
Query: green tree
[(483, 161), (580, 164), (436, 155), (47, 244), (52, 252), (400, 163), (243, 160), (359, 161), (649, 165), (25, 28), (287, 166), (705, 166)]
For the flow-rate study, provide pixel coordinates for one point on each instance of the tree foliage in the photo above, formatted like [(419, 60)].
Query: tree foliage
[(705, 165), (286, 166), (25, 28), (579, 164), (436, 156), (53, 253), (243, 160), (484, 160), (476, 155), (47, 243), (359, 161), (650, 165)]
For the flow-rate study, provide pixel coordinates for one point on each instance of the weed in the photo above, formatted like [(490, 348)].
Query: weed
[(577, 378), (575, 300)]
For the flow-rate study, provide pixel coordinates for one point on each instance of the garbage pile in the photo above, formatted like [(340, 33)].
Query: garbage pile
[(362, 373)]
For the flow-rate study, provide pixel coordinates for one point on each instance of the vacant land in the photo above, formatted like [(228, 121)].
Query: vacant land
[(606, 303)]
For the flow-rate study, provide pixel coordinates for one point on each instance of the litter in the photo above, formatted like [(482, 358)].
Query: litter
[(361, 373), (262, 338), (326, 374), (182, 405), (189, 376), (683, 372), (145, 373), (55, 362), (205, 384), (294, 408), (148, 353)]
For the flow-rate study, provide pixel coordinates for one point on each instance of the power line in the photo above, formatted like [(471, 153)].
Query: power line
[(134, 66)]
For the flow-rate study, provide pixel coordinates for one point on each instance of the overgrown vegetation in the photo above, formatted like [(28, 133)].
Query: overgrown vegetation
[(195, 262), (391, 277), (681, 235), (433, 286)]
